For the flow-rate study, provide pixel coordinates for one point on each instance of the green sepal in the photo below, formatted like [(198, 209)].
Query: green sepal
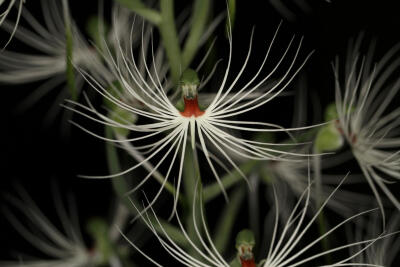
[(98, 229), (180, 105), (328, 139), (331, 112), (235, 263), (246, 238), (189, 77)]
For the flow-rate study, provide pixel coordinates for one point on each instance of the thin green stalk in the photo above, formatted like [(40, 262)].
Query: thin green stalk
[(213, 190), (198, 23), (322, 227), (227, 219), (70, 72), (191, 177), (170, 39), (138, 7)]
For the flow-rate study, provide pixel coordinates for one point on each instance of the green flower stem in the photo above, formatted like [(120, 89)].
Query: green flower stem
[(70, 72), (138, 7), (230, 179), (120, 187), (322, 222), (227, 219), (232, 12), (191, 178), (170, 39), (200, 14)]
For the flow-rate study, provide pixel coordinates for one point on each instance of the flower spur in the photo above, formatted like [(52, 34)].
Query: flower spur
[(283, 251)]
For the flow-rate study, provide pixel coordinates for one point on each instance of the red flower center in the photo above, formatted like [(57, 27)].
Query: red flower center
[(248, 263), (191, 108)]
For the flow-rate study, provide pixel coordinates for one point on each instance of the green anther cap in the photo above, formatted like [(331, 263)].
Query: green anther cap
[(245, 242), (189, 82), (245, 238)]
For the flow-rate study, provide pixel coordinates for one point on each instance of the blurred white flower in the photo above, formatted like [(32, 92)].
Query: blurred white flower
[(292, 177), (368, 116), (62, 247), (384, 252), (50, 63)]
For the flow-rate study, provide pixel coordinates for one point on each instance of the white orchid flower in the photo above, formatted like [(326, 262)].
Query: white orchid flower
[(169, 130), (368, 117), (289, 245)]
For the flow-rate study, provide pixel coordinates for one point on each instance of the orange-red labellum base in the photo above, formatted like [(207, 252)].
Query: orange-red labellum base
[(248, 263), (191, 108)]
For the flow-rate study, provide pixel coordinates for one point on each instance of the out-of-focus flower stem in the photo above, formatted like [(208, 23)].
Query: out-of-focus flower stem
[(199, 18)]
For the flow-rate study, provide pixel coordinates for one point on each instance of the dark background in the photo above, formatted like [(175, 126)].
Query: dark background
[(34, 153)]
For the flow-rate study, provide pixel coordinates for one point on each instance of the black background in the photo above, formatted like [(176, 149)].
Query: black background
[(35, 154)]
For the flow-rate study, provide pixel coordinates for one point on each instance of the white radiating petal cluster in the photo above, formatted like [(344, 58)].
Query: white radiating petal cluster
[(368, 116), (62, 247), (49, 62), (288, 247), (166, 131)]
